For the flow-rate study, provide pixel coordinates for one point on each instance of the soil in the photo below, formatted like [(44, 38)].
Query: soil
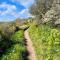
[(29, 46)]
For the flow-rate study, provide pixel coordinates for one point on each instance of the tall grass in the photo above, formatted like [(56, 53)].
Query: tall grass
[(46, 41), (17, 49)]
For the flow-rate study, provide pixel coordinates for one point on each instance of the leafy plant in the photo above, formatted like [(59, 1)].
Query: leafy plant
[(46, 41)]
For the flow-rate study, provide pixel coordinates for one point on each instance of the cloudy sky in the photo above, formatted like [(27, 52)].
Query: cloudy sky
[(12, 9)]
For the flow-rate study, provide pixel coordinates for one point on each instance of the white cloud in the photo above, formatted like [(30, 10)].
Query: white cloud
[(25, 13), (25, 3), (9, 8), (22, 14)]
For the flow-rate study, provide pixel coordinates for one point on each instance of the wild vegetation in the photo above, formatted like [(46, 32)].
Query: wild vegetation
[(44, 31), (12, 44), (17, 49), (46, 41), (45, 35)]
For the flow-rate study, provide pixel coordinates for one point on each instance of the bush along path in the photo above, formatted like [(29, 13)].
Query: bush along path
[(20, 47), (29, 46), (17, 51)]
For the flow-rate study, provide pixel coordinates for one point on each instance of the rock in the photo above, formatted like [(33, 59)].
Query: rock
[(57, 22), (53, 14)]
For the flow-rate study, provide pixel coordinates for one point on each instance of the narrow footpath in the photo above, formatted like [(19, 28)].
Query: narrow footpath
[(29, 46)]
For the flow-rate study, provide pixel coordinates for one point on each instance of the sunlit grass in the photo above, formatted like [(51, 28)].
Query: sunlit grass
[(46, 42), (18, 36)]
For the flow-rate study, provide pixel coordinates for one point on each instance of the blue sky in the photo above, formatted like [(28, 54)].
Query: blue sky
[(12, 9)]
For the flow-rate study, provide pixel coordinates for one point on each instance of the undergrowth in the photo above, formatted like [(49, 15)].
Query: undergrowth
[(17, 50), (46, 41)]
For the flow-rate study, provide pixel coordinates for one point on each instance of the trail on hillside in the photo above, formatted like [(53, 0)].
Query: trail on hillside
[(29, 46)]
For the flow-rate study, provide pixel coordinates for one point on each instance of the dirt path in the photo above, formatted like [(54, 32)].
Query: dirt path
[(29, 46)]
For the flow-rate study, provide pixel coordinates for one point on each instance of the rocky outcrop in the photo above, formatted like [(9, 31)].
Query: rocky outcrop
[(53, 14)]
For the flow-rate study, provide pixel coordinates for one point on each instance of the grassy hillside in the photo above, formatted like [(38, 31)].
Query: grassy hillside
[(13, 48), (46, 41)]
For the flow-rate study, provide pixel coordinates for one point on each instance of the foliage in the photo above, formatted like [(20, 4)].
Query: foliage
[(18, 36), (46, 41), (13, 48), (14, 53)]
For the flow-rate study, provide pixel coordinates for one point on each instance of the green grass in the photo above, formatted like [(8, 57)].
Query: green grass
[(14, 53), (18, 36), (46, 41), (17, 50)]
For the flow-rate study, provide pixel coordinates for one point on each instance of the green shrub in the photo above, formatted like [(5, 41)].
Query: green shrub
[(46, 41), (18, 36), (14, 53)]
